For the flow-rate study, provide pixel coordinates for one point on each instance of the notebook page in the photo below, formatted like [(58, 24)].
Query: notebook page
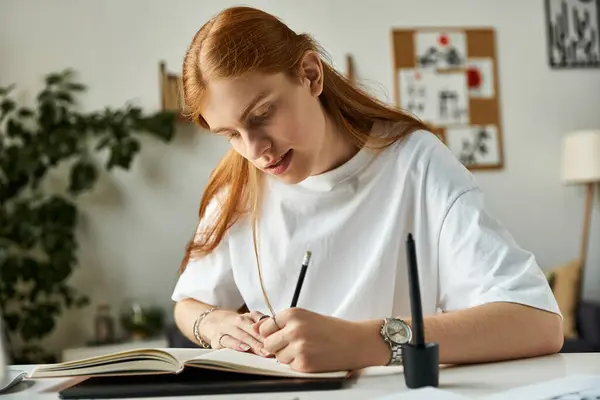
[(127, 355), (251, 363), (571, 387), (184, 354), (125, 367)]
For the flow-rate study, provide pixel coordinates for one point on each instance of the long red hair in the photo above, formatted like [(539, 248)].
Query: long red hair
[(240, 40)]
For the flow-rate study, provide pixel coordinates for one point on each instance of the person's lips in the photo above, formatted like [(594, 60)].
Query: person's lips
[(277, 161), (280, 165)]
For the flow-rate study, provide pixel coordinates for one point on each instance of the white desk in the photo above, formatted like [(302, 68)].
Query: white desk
[(472, 381)]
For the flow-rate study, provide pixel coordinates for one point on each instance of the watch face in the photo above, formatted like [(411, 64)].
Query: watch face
[(397, 331)]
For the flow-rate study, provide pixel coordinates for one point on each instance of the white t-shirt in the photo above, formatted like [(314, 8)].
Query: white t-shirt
[(355, 220)]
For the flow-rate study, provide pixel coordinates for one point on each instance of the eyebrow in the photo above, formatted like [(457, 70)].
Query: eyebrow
[(247, 109)]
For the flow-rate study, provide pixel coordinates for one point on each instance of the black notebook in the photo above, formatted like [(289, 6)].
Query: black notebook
[(194, 381)]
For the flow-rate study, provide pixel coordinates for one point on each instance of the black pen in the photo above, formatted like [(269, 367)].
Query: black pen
[(415, 293), (305, 263), (420, 360)]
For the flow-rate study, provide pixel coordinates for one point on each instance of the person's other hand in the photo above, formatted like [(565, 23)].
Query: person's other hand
[(228, 329), (311, 342)]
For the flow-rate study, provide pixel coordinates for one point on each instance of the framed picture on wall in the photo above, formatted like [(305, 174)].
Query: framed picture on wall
[(573, 34)]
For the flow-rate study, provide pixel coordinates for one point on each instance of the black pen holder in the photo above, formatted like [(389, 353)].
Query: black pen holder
[(421, 365)]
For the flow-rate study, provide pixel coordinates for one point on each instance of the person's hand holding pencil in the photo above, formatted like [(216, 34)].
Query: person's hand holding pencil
[(309, 341), (305, 263), (312, 342)]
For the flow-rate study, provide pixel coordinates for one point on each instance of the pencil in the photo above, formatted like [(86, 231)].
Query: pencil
[(305, 263)]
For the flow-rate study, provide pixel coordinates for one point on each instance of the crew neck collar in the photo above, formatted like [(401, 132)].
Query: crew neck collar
[(327, 181)]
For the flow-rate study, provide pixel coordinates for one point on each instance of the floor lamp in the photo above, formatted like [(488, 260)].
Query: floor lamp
[(581, 165)]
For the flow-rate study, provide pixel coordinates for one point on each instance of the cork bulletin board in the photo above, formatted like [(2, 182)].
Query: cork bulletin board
[(448, 77)]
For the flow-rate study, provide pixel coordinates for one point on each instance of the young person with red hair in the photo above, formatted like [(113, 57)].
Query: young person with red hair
[(318, 164)]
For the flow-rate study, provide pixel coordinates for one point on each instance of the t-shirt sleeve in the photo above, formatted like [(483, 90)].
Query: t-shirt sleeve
[(480, 262), (210, 279)]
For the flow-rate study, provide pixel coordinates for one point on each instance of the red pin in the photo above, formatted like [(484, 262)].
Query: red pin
[(444, 40), (474, 77)]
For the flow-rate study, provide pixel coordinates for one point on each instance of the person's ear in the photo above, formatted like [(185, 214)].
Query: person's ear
[(312, 72)]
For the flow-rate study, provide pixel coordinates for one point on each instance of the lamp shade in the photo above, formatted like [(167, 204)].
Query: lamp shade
[(581, 157)]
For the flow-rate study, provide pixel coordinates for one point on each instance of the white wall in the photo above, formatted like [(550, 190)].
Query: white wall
[(137, 223)]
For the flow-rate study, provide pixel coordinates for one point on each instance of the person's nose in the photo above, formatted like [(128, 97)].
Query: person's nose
[(257, 144)]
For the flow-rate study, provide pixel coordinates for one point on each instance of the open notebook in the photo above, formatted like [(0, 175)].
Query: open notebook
[(173, 360)]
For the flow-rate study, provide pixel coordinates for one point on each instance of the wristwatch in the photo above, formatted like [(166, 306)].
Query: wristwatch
[(395, 332)]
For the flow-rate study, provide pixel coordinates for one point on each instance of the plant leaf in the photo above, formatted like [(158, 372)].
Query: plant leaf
[(76, 87), (104, 142), (82, 178), (7, 106), (12, 320), (37, 321), (6, 90), (65, 96), (122, 153), (25, 112), (53, 79), (82, 301)]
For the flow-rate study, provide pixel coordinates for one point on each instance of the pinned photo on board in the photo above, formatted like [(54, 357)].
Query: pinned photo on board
[(418, 93), (438, 98), (452, 99), (476, 145), (441, 50), (573, 33)]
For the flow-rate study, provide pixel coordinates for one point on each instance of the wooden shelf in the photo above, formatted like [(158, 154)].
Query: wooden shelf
[(170, 92)]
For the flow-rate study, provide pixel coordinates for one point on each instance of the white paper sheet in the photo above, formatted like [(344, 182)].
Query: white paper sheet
[(482, 77), (440, 50), (418, 93), (573, 387), (438, 98), (453, 99), (427, 393), (472, 147)]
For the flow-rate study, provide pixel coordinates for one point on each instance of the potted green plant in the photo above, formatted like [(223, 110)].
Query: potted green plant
[(38, 243)]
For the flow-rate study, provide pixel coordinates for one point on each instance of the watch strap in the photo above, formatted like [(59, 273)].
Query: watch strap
[(396, 356)]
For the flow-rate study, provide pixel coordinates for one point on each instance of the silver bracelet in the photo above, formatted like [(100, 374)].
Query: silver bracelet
[(197, 326)]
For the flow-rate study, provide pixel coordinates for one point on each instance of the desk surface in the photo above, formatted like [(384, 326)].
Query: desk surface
[(471, 381)]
